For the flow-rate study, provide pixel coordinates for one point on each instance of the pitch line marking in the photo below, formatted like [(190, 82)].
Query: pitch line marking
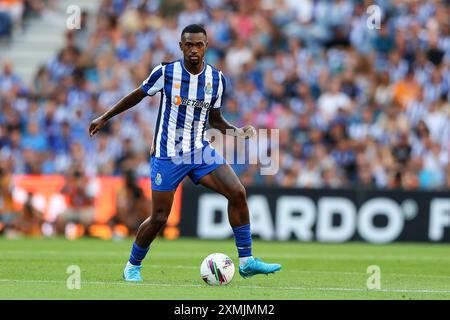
[(290, 256), (247, 287), (362, 274)]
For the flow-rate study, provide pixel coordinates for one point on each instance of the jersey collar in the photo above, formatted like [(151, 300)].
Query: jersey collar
[(193, 75)]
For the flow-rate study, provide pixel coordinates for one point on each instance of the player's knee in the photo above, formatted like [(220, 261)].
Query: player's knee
[(239, 195), (159, 217)]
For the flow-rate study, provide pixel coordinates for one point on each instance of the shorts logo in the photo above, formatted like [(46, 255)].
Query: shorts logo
[(208, 88), (158, 179)]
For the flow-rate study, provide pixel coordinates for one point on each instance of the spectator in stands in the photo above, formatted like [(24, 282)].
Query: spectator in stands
[(34, 138), (447, 178), (297, 66), (10, 83), (406, 90), (332, 100), (79, 192), (309, 175), (29, 222), (7, 212), (5, 24), (132, 205), (13, 11)]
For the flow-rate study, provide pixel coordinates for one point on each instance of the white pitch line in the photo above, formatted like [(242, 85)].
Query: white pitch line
[(103, 283), (385, 274), (306, 256), (239, 287), (407, 275)]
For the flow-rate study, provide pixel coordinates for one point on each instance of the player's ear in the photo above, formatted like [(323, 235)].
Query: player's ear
[(181, 45)]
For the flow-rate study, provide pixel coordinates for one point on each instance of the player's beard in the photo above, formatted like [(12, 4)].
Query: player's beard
[(194, 61)]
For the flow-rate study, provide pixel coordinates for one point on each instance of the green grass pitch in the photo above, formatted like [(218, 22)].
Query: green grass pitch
[(37, 269)]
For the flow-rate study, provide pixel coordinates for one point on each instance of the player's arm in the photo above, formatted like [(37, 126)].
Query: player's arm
[(217, 121), (153, 84), (127, 102)]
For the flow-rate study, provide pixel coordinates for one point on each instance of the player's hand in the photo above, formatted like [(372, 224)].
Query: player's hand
[(246, 132), (96, 125)]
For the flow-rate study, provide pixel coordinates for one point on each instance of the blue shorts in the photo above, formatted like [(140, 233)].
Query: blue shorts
[(167, 173)]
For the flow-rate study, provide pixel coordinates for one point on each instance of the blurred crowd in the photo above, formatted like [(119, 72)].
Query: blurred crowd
[(356, 105), (77, 216), (14, 14)]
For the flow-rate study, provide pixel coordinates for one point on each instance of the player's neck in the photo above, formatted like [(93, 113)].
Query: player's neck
[(193, 69)]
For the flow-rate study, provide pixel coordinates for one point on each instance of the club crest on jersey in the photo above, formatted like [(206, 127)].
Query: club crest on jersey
[(208, 88), (158, 179)]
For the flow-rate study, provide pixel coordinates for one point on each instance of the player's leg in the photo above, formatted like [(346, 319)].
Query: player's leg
[(223, 180), (161, 207), (165, 178), (147, 232)]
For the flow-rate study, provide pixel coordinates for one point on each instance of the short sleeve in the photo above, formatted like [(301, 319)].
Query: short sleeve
[(221, 91), (154, 82)]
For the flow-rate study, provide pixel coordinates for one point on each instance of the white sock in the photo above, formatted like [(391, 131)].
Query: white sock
[(243, 260)]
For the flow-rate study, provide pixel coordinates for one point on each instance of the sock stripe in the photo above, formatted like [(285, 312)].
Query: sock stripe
[(137, 254), (243, 239)]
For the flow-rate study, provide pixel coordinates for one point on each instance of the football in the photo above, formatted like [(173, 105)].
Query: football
[(217, 269)]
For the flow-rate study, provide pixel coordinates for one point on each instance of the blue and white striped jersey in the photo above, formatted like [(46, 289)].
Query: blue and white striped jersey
[(186, 100)]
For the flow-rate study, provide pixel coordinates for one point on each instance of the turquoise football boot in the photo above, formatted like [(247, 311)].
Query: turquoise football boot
[(255, 266), (132, 273)]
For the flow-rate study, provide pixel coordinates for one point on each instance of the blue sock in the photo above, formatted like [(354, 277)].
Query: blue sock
[(137, 254), (243, 239)]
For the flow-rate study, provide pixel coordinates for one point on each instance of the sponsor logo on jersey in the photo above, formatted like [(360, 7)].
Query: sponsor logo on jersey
[(177, 100)]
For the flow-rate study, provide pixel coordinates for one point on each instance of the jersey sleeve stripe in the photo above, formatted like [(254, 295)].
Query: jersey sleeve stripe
[(218, 103), (224, 83), (165, 114), (155, 81), (217, 84)]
